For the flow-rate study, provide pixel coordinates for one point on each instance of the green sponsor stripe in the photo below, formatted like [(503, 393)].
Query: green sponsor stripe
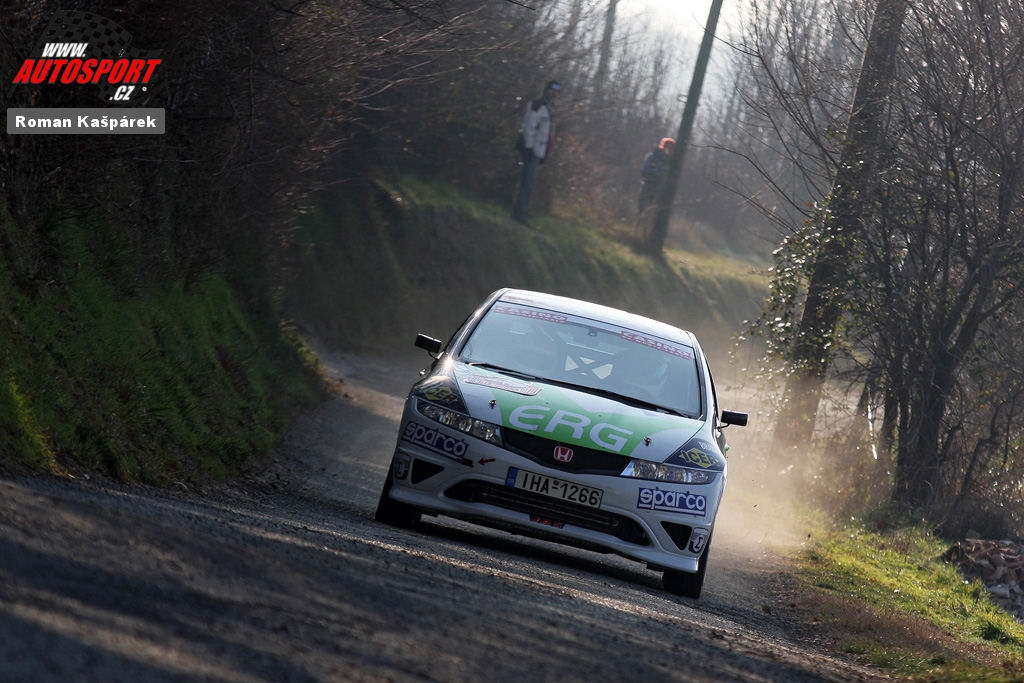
[(554, 414)]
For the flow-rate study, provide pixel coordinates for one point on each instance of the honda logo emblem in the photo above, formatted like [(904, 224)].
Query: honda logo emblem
[(563, 453)]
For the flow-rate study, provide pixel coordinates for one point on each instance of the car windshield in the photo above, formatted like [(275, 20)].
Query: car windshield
[(588, 354)]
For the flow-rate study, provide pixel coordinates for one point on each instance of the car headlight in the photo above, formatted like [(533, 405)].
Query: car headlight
[(490, 433), (645, 469)]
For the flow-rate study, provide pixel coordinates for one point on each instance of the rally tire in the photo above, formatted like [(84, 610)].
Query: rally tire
[(684, 583), (392, 512)]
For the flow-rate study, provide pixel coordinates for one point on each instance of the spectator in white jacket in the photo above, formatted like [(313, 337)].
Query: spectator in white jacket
[(534, 143)]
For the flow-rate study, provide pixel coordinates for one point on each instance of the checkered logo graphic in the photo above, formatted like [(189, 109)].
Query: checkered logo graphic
[(83, 48)]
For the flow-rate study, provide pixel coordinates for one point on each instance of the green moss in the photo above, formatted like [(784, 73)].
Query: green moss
[(22, 438), (170, 381)]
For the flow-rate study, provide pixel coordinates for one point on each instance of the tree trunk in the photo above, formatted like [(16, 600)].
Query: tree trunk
[(667, 194), (919, 460), (851, 202), (569, 37), (605, 55)]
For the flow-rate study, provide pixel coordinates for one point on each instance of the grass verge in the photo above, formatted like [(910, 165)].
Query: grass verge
[(888, 599)]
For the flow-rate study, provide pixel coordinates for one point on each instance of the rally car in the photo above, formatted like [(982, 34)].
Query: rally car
[(572, 422)]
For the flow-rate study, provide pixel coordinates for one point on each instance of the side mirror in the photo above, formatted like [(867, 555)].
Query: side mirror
[(731, 417), (429, 344)]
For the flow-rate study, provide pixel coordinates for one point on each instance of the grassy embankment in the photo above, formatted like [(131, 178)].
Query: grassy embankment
[(424, 256), (151, 381), (887, 598)]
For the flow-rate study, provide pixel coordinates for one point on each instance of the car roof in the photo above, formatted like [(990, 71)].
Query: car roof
[(586, 309)]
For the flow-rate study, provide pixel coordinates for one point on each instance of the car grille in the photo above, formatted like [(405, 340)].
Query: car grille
[(550, 509), (584, 460)]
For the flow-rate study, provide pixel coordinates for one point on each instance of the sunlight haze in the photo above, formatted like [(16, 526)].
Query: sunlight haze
[(686, 16)]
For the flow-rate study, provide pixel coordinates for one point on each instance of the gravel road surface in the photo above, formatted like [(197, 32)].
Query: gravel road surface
[(284, 575)]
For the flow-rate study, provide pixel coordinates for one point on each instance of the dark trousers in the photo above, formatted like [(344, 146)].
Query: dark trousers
[(526, 182)]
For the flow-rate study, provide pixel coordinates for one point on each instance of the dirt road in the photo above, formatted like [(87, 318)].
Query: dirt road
[(286, 577)]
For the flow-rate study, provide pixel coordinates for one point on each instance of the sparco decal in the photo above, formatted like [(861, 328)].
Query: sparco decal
[(433, 440), (602, 434), (672, 501)]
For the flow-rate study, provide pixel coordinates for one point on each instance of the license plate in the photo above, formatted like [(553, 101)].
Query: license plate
[(554, 488)]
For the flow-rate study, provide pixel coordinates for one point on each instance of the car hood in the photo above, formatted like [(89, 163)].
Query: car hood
[(563, 414)]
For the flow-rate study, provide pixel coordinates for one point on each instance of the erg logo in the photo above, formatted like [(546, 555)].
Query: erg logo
[(672, 501), (433, 440), (573, 425)]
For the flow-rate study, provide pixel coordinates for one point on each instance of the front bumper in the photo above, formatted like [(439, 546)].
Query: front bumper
[(443, 471)]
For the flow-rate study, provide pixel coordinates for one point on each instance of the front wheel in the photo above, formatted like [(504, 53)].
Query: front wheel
[(684, 583), (393, 513)]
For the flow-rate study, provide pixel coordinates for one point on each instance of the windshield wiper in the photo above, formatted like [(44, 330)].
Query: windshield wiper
[(503, 370), (632, 400)]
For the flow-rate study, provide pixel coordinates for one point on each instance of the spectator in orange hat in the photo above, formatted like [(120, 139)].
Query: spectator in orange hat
[(653, 172)]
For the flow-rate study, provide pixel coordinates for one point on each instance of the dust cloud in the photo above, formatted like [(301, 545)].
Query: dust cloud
[(766, 503)]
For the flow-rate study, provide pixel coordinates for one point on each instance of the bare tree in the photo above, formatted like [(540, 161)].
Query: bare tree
[(851, 202), (604, 56), (955, 201), (926, 289)]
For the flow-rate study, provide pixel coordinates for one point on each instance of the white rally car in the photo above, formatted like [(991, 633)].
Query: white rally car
[(572, 422)]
